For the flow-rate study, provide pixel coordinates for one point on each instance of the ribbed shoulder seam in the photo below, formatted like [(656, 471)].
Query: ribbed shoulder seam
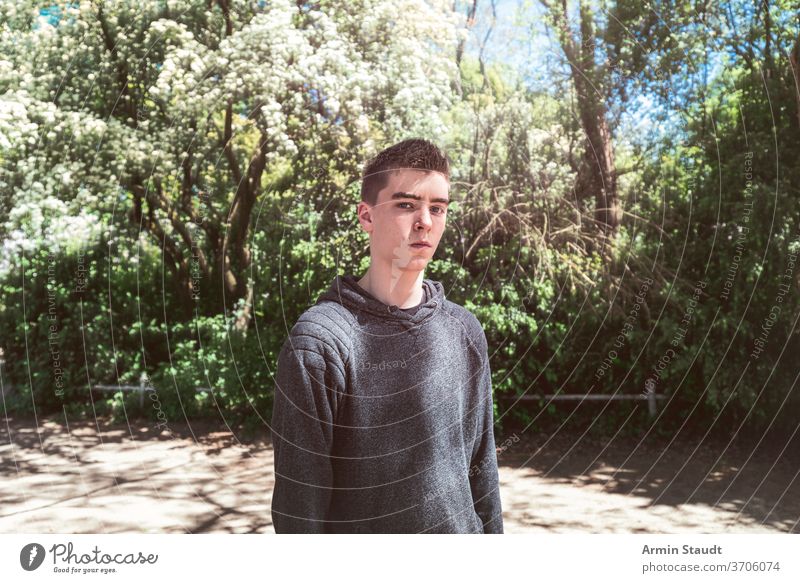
[(471, 325), (318, 323)]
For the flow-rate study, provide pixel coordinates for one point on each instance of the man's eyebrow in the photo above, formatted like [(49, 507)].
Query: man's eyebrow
[(417, 197)]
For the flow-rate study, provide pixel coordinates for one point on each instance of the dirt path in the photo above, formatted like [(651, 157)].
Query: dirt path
[(202, 479)]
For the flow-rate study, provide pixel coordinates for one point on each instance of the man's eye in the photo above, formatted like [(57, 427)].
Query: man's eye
[(438, 209)]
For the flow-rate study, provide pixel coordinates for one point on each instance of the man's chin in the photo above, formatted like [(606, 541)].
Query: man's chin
[(415, 264)]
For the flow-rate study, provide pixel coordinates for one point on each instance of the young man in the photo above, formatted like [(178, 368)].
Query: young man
[(382, 419)]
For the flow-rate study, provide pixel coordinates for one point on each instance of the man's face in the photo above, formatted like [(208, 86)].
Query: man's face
[(411, 208)]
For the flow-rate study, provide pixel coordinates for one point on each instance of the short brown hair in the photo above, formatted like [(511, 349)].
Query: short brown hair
[(411, 153)]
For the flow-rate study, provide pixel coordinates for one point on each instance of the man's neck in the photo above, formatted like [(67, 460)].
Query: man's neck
[(403, 290)]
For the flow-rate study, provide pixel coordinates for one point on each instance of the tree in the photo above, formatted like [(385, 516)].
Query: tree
[(195, 110)]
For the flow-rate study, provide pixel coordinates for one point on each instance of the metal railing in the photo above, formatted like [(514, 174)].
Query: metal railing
[(651, 398), (142, 388)]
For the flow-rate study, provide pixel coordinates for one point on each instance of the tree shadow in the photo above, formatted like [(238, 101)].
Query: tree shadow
[(129, 478), (758, 484)]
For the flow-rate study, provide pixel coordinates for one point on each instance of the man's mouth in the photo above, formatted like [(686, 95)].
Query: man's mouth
[(420, 244)]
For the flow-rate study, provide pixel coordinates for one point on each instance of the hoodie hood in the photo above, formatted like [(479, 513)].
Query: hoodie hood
[(345, 291)]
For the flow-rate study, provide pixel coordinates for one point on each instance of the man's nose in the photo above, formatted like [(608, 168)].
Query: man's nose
[(424, 218)]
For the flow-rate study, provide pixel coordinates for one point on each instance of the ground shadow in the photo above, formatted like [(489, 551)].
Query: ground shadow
[(762, 483)]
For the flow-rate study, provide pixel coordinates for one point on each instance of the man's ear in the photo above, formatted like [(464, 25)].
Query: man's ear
[(364, 211)]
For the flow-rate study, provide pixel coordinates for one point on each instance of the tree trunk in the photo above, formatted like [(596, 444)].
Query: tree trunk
[(235, 251), (794, 59), (472, 10), (592, 111)]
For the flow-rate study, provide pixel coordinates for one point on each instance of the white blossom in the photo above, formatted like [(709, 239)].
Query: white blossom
[(63, 156)]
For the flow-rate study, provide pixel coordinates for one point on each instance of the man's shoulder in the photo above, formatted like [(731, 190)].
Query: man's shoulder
[(325, 327), (462, 314), (472, 326)]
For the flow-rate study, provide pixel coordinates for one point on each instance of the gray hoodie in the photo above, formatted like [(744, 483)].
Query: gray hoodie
[(382, 420)]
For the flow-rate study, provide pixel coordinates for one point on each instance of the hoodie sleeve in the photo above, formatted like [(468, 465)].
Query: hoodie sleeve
[(483, 474), (308, 383)]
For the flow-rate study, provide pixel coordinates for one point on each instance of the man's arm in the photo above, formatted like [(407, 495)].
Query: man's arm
[(303, 411), (483, 474)]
